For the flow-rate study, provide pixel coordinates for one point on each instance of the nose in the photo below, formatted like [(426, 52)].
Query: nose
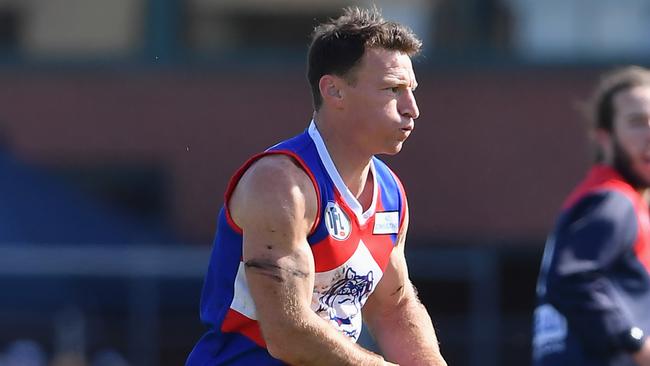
[(408, 107)]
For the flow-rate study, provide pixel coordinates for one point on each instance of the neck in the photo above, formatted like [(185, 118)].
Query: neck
[(351, 162)]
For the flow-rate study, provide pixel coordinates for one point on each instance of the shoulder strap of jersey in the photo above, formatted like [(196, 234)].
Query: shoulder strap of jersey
[(232, 184), (402, 194)]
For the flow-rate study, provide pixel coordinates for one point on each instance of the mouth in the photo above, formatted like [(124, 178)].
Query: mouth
[(408, 128), (646, 163), (406, 132), (644, 166), (645, 158)]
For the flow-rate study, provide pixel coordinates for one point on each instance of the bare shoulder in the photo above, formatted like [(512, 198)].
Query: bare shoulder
[(274, 191)]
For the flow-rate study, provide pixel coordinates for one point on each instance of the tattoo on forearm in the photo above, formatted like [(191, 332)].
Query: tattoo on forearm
[(274, 271)]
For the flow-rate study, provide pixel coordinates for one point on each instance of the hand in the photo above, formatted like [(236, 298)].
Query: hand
[(642, 357)]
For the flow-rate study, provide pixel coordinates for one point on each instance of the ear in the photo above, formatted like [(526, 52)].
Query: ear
[(603, 139), (330, 90)]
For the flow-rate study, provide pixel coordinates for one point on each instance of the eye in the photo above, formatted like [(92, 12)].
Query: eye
[(638, 121), (394, 89)]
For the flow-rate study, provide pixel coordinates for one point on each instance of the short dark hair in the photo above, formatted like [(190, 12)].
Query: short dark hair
[(339, 44), (601, 108)]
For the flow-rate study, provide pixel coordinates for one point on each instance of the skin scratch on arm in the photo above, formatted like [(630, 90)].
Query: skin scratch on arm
[(272, 270)]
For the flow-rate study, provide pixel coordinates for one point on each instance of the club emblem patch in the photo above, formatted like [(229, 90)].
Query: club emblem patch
[(337, 222)]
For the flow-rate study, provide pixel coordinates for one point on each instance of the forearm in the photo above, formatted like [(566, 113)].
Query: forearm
[(408, 337), (293, 332), (314, 341)]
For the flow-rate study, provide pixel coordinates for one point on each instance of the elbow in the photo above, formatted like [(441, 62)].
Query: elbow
[(278, 348), (287, 334), (281, 343)]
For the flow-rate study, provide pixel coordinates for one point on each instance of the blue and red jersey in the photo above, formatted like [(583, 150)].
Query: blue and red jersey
[(351, 248), (594, 286)]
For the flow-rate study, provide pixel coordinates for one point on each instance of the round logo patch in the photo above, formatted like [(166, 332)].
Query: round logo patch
[(337, 222)]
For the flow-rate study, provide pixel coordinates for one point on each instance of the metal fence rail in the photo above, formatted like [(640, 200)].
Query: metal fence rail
[(144, 267)]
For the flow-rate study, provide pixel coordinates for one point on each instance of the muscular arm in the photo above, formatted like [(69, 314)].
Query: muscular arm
[(275, 204), (397, 319)]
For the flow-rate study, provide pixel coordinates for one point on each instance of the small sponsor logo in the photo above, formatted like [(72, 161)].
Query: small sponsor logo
[(337, 222), (386, 223)]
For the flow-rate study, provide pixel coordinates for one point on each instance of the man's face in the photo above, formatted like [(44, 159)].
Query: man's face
[(631, 135), (379, 102)]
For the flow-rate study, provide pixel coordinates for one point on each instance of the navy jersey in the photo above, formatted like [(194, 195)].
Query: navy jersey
[(351, 249), (594, 285)]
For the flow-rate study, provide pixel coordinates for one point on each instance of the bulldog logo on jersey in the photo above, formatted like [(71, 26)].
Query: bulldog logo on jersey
[(343, 301), (337, 222)]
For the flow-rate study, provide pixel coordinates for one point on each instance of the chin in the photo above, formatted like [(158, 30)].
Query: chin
[(394, 149), (645, 178), (638, 178)]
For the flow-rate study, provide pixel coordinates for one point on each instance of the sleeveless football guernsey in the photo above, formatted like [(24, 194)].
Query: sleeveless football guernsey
[(351, 249)]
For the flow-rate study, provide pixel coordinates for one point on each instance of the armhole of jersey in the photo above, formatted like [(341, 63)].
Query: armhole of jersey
[(240, 172), (612, 188), (611, 185)]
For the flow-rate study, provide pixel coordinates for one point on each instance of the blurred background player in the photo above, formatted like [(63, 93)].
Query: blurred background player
[(312, 231), (594, 285)]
